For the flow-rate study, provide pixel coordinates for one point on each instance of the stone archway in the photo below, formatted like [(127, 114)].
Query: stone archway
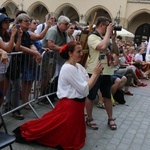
[(11, 8), (38, 10), (101, 11), (68, 10), (139, 24), (142, 33)]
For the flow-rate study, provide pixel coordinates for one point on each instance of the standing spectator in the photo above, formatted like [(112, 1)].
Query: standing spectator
[(28, 73), (67, 118), (22, 64), (98, 43), (7, 44), (41, 26), (70, 32), (3, 60), (77, 30), (55, 38), (36, 37)]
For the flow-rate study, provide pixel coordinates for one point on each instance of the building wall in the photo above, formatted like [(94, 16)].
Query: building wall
[(133, 13)]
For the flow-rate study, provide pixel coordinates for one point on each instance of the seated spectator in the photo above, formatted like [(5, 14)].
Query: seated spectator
[(138, 57), (130, 58), (145, 65), (122, 61), (118, 82), (128, 73)]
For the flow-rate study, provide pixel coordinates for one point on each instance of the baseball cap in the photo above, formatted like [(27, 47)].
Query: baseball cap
[(5, 17)]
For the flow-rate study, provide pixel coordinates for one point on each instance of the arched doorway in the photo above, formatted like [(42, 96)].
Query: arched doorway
[(100, 12), (142, 33), (38, 11), (11, 9), (68, 11)]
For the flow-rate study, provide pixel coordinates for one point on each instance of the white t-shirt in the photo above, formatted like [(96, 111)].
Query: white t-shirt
[(76, 32), (3, 67), (73, 82), (138, 57), (39, 28)]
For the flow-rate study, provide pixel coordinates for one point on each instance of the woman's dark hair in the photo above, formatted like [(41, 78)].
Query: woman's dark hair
[(119, 37), (4, 35), (121, 49), (69, 47)]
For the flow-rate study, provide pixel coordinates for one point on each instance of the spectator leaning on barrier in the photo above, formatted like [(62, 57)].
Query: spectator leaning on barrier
[(28, 73), (23, 63), (50, 20), (7, 44), (55, 38), (3, 60), (41, 26), (35, 37)]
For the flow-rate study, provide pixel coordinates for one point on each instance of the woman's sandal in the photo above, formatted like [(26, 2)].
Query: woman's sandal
[(142, 84), (111, 124), (91, 124)]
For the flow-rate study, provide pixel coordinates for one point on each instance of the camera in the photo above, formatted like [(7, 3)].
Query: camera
[(2, 10), (117, 28)]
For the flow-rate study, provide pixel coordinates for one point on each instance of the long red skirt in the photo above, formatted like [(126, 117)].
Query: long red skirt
[(63, 126)]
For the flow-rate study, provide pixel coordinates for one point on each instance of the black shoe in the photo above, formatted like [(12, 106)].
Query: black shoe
[(7, 107), (1, 124), (17, 115), (44, 101), (53, 98)]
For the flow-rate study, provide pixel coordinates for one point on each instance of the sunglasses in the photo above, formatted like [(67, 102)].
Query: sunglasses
[(35, 23), (72, 28), (66, 24)]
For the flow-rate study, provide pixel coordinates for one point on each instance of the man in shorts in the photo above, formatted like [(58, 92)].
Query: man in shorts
[(100, 49)]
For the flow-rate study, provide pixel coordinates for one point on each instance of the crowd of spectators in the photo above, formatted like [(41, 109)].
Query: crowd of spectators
[(28, 46)]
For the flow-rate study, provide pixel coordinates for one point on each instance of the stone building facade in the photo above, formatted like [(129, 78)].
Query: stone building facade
[(133, 14)]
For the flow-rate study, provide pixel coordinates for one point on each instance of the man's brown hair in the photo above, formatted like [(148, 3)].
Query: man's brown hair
[(101, 19)]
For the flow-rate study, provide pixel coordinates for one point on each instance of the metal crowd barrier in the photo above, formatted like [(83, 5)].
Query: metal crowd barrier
[(14, 72)]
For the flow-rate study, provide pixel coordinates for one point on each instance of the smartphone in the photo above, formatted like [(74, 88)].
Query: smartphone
[(17, 26), (48, 16)]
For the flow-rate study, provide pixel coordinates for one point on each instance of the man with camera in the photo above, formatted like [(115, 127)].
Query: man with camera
[(100, 49)]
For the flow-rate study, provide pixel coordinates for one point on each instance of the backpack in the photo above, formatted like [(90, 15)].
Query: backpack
[(43, 26), (119, 96)]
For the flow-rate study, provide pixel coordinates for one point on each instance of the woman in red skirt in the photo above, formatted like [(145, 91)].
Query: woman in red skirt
[(64, 126)]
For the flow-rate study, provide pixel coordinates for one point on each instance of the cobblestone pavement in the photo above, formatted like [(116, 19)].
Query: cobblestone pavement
[(133, 121)]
